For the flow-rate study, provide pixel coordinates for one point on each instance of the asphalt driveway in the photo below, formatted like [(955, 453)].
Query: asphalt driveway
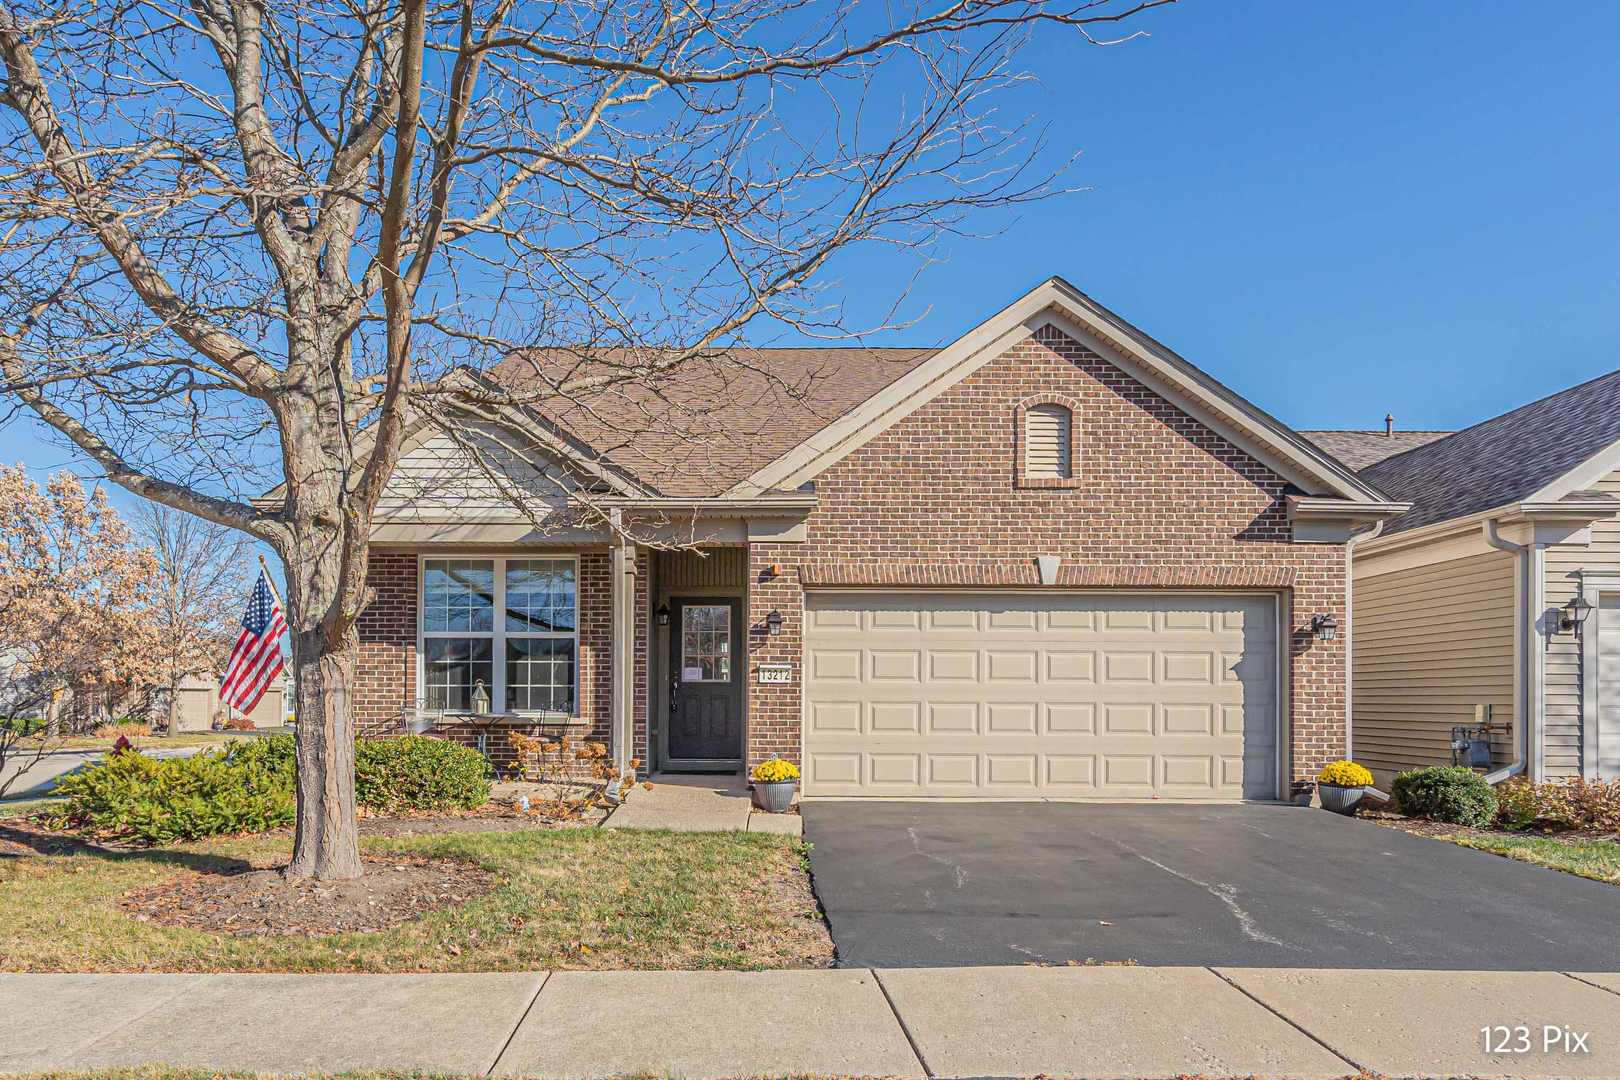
[(926, 884)]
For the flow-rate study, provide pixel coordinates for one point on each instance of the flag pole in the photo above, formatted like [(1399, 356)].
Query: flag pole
[(271, 581)]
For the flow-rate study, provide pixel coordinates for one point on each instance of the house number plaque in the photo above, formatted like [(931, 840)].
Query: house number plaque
[(776, 673)]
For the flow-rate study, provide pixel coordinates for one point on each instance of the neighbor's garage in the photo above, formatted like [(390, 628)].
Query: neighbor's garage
[(1079, 695)]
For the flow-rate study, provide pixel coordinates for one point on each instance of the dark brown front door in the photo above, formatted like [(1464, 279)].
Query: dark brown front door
[(706, 688)]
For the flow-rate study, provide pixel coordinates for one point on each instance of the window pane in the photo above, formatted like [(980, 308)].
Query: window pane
[(706, 643), (540, 596), (458, 594), (540, 675), (453, 668)]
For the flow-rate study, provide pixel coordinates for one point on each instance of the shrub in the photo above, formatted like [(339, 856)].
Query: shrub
[(249, 788), (1519, 803), (130, 729), (1344, 774), (416, 772), (240, 723), (1575, 803), (1445, 793), (164, 800), (412, 772)]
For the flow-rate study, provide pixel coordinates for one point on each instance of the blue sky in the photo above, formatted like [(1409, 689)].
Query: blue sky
[(1339, 212)]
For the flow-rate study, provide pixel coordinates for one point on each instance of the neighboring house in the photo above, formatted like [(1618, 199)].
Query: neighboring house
[(1497, 597), (200, 705), (1051, 559)]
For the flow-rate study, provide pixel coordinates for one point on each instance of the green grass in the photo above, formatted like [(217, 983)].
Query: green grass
[(18, 807), (1595, 859), (565, 898)]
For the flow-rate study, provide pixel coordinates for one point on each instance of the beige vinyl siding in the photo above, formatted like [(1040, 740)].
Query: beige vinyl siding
[(1562, 688), (1429, 644), (440, 478), (1047, 442)]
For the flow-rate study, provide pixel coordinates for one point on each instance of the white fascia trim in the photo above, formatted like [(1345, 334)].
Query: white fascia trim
[(1582, 476), (1195, 394)]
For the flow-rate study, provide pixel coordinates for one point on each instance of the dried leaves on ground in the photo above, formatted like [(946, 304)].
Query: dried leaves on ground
[(264, 901)]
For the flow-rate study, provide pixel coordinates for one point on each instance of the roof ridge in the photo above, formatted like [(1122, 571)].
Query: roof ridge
[(1538, 401)]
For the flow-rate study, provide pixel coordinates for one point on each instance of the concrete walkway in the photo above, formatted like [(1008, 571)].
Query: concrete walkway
[(688, 802), (918, 1022)]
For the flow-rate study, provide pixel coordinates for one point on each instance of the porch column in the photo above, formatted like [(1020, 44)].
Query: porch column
[(622, 569)]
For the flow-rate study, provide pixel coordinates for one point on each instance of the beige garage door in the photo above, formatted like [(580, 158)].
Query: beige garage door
[(1079, 695)]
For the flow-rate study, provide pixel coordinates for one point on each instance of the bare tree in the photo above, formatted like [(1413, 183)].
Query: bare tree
[(242, 242), (204, 573)]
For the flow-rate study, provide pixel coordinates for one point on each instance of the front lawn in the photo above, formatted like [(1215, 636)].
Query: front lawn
[(564, 898), (1595, 859)]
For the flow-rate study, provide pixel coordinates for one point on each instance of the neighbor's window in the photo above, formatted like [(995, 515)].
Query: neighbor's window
[(521, 662), (1048, 443)]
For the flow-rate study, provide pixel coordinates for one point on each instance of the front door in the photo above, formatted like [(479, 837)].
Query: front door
[(706, 682)]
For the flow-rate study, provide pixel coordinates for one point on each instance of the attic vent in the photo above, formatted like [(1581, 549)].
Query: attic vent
[(1047, 442)]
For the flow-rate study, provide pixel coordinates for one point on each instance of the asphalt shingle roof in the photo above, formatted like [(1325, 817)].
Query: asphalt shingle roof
[(711, 421), (1361, 449), (1504, 459)]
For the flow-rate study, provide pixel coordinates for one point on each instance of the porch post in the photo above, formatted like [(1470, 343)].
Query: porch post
[(622, 569)]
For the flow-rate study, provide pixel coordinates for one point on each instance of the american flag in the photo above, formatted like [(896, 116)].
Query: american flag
[(257, 656)]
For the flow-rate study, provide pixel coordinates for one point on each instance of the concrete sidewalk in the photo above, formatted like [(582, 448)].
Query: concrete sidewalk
[(699, 802), (936, 1022)]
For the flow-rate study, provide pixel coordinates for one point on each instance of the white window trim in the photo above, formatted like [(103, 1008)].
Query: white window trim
[(497, 635)]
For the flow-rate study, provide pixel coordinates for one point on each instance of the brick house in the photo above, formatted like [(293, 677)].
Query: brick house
[(1052, 559)]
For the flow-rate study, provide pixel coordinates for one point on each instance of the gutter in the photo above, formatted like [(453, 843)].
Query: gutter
[(1368, 533), (1532, 667)]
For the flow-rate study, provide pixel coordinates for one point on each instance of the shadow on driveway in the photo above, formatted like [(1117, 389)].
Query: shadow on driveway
[(925, 884)]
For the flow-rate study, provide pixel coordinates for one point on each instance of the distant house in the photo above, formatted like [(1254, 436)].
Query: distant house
[(1496, 599), (200, 704)]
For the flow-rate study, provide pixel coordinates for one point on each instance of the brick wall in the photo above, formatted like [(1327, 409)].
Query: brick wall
[(1157, 501), (386, 677)]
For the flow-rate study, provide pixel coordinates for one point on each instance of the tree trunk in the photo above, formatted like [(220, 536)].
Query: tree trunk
[(174, 707), (327, 843)]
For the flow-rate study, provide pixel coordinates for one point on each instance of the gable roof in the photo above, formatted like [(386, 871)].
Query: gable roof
[(1516, 457), (1362, 449), (1057, 303), (710, 421)]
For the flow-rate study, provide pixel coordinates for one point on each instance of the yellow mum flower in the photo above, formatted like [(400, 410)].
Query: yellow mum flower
[(775, 771), (1344, 774)]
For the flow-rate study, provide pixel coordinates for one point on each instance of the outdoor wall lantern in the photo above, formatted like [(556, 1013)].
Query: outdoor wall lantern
[(1325, 626), (773, 623), (662, 614), (1574, 614)]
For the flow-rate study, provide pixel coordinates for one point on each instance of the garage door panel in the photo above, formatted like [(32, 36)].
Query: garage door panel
[(1070, 695)]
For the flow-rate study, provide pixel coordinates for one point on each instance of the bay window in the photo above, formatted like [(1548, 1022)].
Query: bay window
[(500, 635)]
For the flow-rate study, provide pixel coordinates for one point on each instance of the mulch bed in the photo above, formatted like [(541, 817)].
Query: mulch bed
[(1424, 827), (395, 889)]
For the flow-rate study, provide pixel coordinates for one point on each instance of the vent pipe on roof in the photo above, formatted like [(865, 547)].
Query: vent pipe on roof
[(1389, 425)]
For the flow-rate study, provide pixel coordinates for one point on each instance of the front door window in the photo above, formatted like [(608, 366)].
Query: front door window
[(706, 643)]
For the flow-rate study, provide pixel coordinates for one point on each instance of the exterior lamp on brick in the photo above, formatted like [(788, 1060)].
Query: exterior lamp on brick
[(1573, 614), (1325, 626), (773, 623)]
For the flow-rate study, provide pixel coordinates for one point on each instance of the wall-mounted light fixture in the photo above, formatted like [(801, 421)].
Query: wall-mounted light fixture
[(1325, 626), (773, 623), (662, 614), (1573, 614)]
